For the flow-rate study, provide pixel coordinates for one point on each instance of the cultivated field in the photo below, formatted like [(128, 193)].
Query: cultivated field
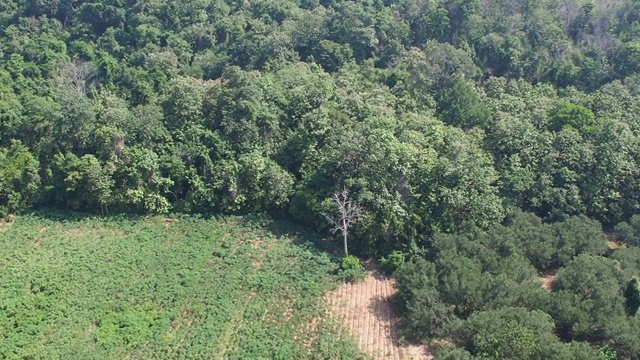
[(365, 310), (124, 288)]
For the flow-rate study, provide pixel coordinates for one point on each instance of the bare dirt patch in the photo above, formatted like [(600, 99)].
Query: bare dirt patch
[(613, 241), (548, 279), (257, 243), (5, 224), (614, 245), (365, 310), (169, 221)]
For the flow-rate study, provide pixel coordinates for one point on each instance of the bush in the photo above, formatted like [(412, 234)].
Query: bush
[(351, 269), (351, 262), (392, 262), (629, 232)]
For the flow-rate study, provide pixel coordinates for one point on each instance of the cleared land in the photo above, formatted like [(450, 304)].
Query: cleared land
[(365, 310), (116, 288)]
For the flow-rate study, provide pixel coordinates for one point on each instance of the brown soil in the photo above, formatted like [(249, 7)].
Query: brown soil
[(613, 245), (365, 310), (5, 224), (613, 241), (548, 280), (169, 221)]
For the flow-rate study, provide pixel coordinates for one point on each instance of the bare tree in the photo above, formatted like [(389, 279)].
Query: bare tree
[(349, 213), (77, 76)]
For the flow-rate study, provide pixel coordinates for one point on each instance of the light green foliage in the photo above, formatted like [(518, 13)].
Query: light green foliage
[(393, 261), (19, 179), (516, 333), (351, 269), (506, 333), (510, 341), (117, 287), (145, 187), (567, 115), (351, 262)]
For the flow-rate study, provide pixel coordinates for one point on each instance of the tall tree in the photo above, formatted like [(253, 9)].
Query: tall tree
[(348, 214)]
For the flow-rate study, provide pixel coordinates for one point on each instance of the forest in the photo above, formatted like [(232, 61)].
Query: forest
[(487, 143)]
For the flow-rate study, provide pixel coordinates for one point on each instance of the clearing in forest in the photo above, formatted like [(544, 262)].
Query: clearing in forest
[(365, 310), (548, 279)]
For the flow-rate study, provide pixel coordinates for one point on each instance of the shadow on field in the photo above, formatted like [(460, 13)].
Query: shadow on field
[(70, 216), (300, 236), (281, 228)]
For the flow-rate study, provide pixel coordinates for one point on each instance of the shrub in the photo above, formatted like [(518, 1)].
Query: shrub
[(392, 262), (567, 115), (351, 269), (629, 232), (351, 262)]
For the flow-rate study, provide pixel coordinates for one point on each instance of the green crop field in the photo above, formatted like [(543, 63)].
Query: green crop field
[(142, 288)]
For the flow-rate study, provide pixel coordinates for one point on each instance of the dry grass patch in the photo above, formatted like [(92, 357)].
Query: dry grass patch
[(548, 279)]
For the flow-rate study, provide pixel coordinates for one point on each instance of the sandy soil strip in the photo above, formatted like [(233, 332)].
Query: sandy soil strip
[(367, 314)]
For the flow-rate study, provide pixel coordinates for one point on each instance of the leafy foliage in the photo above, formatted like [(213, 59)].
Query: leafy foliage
[(77, 286), (392, 262), (351, 269), (479, 290), (440, 119)]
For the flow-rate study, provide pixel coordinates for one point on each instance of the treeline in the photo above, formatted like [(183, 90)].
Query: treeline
[(425, 111)]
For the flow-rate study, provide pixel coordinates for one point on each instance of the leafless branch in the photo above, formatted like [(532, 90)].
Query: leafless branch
[(77, 75), (349, 213)]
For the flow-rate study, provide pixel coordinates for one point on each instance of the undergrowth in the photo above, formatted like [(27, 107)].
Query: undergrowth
[(122, 287)]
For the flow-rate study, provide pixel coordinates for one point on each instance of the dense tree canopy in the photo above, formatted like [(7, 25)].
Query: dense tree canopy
[(437, 116)]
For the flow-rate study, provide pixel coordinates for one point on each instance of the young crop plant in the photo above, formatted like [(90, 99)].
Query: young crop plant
[(120, 287)]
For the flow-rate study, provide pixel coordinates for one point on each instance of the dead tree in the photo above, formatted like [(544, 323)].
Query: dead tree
[(349, 213), (77, 76)]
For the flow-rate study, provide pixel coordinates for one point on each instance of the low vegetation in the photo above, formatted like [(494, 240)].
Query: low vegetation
[(118, 287)]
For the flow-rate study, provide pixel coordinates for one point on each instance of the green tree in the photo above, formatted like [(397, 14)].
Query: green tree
[(589, 296), (567, 115), (423, 314), (632, 294), (629, 58), (20, 181), (460, 105), (507, 333)]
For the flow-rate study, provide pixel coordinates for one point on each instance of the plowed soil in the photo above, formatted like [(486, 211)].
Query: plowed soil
[(367, 314)]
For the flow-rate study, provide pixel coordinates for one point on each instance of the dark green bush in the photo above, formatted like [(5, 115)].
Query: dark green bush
[(392, 262), (629, 232)]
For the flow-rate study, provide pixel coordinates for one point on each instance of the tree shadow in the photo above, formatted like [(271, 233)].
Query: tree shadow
[(301, 236), (382, 309), (73, 216)]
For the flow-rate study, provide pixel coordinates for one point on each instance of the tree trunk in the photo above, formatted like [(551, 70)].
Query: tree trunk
[(344, 233)]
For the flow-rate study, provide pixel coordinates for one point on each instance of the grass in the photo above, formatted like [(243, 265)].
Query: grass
[(78, 287)]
